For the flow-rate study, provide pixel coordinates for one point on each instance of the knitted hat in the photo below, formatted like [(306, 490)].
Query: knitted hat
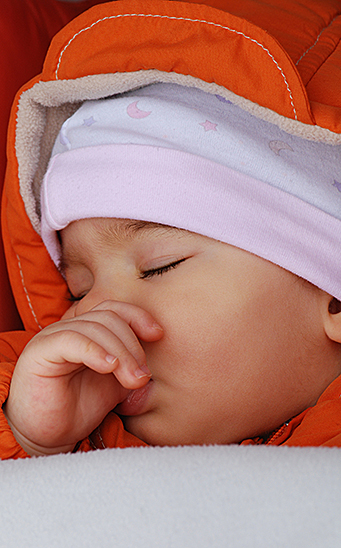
[(181, 157)]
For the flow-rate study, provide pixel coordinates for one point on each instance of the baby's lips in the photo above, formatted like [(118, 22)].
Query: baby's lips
[(136, 401)]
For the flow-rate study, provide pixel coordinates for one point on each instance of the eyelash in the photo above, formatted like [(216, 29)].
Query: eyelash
[(162, 270), (148, 274)]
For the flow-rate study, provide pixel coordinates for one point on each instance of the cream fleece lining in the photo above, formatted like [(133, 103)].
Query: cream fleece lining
[(43, 109)]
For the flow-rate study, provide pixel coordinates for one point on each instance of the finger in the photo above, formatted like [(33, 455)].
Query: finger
[(106, 328), (141, 321), (63, 352)]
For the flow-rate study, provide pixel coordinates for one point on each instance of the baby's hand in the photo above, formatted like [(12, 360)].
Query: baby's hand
[(72, 373)]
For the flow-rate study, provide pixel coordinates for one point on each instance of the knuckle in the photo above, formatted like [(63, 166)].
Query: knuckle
[(89, 347), (136, 348)]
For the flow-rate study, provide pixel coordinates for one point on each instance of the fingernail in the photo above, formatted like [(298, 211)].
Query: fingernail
[(157, 326), (111, 359), (142, 371)]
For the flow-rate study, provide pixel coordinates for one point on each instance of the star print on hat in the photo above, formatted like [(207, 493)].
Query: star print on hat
[(182, 157)]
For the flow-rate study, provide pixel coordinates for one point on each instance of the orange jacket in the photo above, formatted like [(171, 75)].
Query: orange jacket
[(283, 65)]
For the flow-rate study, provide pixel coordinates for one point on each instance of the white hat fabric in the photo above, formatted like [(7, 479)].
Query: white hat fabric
[(185, 158)]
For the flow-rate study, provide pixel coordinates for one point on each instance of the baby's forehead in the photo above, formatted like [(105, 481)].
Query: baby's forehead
[(111, 232), (127, 229)]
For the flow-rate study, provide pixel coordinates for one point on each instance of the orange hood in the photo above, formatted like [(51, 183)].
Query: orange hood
[(287, 74)]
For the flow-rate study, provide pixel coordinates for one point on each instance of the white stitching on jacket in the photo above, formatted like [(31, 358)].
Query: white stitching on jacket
[(26, 292), (317, 39), (181, 19)]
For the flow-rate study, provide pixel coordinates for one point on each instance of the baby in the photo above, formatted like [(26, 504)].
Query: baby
[(197, 245)]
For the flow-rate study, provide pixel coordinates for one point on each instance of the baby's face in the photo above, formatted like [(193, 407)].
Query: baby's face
[(235, 360)]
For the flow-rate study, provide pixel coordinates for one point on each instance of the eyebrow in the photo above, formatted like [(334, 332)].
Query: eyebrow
[(127, 229), (124, 229)]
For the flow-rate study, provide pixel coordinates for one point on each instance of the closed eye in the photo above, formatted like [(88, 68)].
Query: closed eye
[(161, 270), (148, 274)]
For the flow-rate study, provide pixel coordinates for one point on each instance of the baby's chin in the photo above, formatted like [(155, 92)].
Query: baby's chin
[(150, 430)]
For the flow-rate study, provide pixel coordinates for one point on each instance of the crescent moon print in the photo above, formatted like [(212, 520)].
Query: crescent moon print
[(134, 112), (277, 146)]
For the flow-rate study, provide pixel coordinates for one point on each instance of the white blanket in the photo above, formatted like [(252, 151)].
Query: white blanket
[(174, 497)]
